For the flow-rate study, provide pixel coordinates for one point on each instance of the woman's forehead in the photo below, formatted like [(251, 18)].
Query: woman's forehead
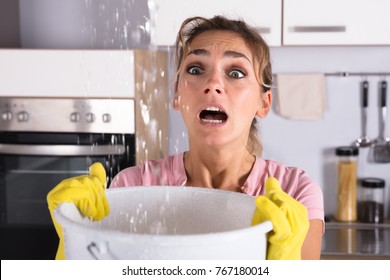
[(220, 41)]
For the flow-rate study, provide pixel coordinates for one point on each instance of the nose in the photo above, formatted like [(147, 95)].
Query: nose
[(214, 84), (211, 90)]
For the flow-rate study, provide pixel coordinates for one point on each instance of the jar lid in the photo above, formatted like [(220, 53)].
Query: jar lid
[(373, 183), (347, 151)]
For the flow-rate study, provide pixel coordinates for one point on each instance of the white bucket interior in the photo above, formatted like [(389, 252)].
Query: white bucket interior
[(162, 222)]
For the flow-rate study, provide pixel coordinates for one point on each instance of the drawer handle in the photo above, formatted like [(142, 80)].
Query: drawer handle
[(61, 150), (302, 29), (263, 30)]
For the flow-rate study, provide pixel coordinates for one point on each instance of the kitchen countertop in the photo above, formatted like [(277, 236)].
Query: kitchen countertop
[(356, 241)]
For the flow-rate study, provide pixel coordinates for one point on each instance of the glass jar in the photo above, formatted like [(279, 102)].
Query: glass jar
[(371, 203), (347, 183)]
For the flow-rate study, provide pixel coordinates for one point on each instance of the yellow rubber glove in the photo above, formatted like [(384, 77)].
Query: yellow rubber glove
[(289, 219), (86, 192)]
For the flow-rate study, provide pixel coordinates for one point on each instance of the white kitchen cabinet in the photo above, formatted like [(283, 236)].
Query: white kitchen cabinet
[(168, 15), (336, 22), (67, 73)]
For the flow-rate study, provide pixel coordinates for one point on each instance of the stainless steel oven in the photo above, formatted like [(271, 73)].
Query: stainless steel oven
[(43, 141)]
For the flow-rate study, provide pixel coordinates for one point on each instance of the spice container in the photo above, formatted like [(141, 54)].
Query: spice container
[(371, 203), (347, 183)]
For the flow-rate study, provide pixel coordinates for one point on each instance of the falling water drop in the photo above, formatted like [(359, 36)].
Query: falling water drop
[(117, 14), (153, 11), (145, 112), (117, 28)]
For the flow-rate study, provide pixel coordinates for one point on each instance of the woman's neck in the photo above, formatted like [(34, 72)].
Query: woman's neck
[(218, 169)]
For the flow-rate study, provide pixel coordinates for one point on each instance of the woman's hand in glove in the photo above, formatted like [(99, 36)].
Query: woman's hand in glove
[(86, 192), (289, 219)]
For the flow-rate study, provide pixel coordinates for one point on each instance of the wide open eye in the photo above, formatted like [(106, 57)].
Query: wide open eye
[(195, 70), (237, 74)]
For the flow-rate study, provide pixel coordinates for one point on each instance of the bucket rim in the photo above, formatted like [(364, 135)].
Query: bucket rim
[(265, 226)]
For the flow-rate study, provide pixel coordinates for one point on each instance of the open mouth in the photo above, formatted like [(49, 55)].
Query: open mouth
[(213, 115)]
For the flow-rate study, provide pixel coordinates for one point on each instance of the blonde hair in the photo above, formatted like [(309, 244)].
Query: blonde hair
[(194, 26)]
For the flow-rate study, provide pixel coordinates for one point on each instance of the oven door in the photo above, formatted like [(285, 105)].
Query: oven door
[(28, 171)]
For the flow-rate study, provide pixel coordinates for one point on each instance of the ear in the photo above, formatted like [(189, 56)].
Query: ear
[(265, 104), (175, 103)]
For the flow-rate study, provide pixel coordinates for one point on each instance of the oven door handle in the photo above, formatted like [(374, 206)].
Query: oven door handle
[(61, 150)]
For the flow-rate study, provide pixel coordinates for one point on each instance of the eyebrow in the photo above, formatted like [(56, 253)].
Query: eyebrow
[(227, 53)]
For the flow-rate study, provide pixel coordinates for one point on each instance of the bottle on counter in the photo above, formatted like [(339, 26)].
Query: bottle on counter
[(371, 201), (347, 183)]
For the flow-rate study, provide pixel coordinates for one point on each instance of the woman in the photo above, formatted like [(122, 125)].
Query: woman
[(223, 85)]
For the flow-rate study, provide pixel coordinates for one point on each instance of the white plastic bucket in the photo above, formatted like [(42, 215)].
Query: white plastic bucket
[(163, 222)]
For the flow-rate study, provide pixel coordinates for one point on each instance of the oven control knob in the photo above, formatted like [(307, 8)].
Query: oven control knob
[(90, 117), (106, 118), (75, 117), (6, 116), (23, 116)]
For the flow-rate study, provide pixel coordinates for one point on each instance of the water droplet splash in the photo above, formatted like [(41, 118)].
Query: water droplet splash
[(119, 24)]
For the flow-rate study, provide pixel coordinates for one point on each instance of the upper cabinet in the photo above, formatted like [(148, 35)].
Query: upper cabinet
[(336, 22), (305, 22), (264, 15)]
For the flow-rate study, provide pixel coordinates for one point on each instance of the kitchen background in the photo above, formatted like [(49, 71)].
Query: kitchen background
[(308, 144)]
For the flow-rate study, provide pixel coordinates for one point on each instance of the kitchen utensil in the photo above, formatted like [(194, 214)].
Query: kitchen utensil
[(364, 141), (165, 222), (381, 145)]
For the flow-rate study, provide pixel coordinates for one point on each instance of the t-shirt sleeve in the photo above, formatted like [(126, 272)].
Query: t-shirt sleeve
[(310, 194)]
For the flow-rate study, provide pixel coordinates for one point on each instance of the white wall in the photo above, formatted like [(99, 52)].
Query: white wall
[(310, 144)]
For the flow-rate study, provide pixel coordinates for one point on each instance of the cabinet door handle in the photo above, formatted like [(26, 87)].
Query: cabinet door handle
[(332, 28), (61, 150), (263, 30)]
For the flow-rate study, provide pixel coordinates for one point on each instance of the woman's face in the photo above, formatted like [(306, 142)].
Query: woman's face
[(218, 93)]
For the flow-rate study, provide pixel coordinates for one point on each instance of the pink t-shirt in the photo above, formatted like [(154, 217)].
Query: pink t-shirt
[(170, 171)]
